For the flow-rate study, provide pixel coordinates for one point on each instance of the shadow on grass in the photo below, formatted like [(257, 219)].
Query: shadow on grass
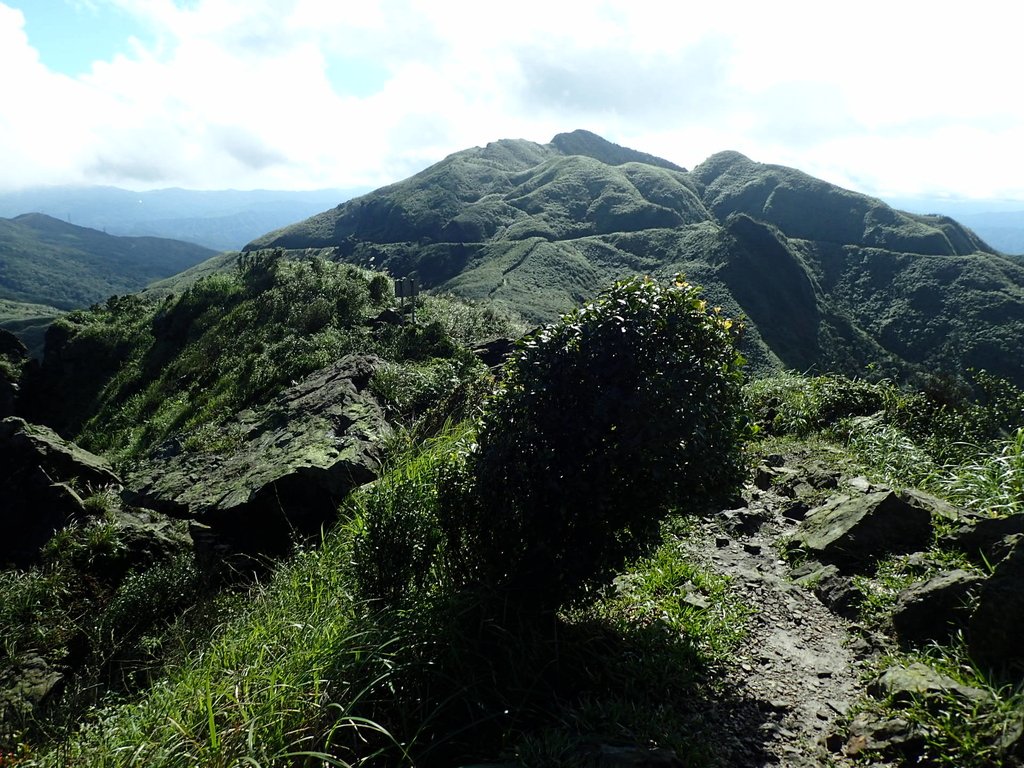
[(462, 687)]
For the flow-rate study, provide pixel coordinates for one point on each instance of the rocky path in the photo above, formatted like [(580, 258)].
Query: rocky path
[(799, 665)]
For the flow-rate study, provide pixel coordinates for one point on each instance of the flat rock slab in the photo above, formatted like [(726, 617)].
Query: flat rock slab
[(296, 460), (853, 532)]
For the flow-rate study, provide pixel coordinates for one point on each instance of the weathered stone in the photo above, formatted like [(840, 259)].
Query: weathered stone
[(935, 609), (26, 686), (997, 624), (919, 682), (763, 477), (986, 540), (869, 733), (494, 353), (296, 460), (42, 481), (854, 532), (835, 591), (936, 506)]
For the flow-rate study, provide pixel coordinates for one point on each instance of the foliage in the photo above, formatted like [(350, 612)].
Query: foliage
[(51, 262), (789, 404), (958, 731), (231, 341), (623, 409), (992, 483), (396, 523)]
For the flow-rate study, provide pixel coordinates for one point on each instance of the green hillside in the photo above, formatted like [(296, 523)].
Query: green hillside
[(829, 279), (47, 261)]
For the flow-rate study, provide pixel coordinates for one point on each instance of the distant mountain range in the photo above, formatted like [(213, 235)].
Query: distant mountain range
[(829, 279), (222, 220)]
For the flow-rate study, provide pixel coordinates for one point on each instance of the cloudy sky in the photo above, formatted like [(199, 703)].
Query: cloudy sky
[(897, 97)]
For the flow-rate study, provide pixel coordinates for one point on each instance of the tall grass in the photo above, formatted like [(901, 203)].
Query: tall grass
[(993, 483)]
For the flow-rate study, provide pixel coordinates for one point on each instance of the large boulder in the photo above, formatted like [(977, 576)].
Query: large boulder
[(997, 624), (43, 480), (853, 532), (294, 461), (936, 608)]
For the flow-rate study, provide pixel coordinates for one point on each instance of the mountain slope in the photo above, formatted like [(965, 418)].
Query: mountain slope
[(47, 261), (829, 279), (221, 219)]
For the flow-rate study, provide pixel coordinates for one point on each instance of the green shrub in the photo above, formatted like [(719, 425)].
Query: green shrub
[(625, 408)]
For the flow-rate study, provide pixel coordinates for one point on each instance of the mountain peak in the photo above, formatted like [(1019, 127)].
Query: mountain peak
[(581, 142)]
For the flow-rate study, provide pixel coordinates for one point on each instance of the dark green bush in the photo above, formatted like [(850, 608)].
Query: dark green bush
[(620, 411)]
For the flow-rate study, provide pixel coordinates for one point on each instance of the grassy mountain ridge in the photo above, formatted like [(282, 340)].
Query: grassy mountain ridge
[(830, 279), (47, 261)]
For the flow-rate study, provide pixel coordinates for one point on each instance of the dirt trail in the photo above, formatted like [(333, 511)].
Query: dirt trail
[(799, 666)]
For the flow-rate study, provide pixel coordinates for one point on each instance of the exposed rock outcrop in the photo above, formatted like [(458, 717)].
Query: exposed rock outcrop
[(43, 480), (294, 461)]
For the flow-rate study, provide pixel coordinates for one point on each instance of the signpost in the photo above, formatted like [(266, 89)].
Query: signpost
[(408, 286)]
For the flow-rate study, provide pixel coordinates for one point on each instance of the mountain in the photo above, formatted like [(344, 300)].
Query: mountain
[(999, 222), (828, 279), (47, 261), (221, 219)]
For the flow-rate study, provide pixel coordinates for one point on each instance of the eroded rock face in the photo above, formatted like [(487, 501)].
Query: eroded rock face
[(854, 532), (294, 461), (43, 479)]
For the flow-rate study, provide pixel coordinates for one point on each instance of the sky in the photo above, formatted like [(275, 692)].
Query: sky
[(892, 98)]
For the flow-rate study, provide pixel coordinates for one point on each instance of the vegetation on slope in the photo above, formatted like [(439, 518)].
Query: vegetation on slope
[(539, 228), (48, 261), (183, 365), (325, 665)]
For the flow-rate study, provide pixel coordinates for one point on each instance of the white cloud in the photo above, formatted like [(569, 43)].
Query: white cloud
[(907, 97)]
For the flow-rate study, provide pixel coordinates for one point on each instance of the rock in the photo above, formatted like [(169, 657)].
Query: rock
[(986, 540), (936, 506), (144, 538), (27, 685), (854, 532), (796, 510), (43, 479), (299, 456), (936, 608), (494, 353), (997, 624), (895, 736), (763, 477), (904, 685), (835, 591), (744, 520), (14, 353)]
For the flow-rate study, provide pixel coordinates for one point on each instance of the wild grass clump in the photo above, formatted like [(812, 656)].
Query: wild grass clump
[(959, 731), (991, 483)]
